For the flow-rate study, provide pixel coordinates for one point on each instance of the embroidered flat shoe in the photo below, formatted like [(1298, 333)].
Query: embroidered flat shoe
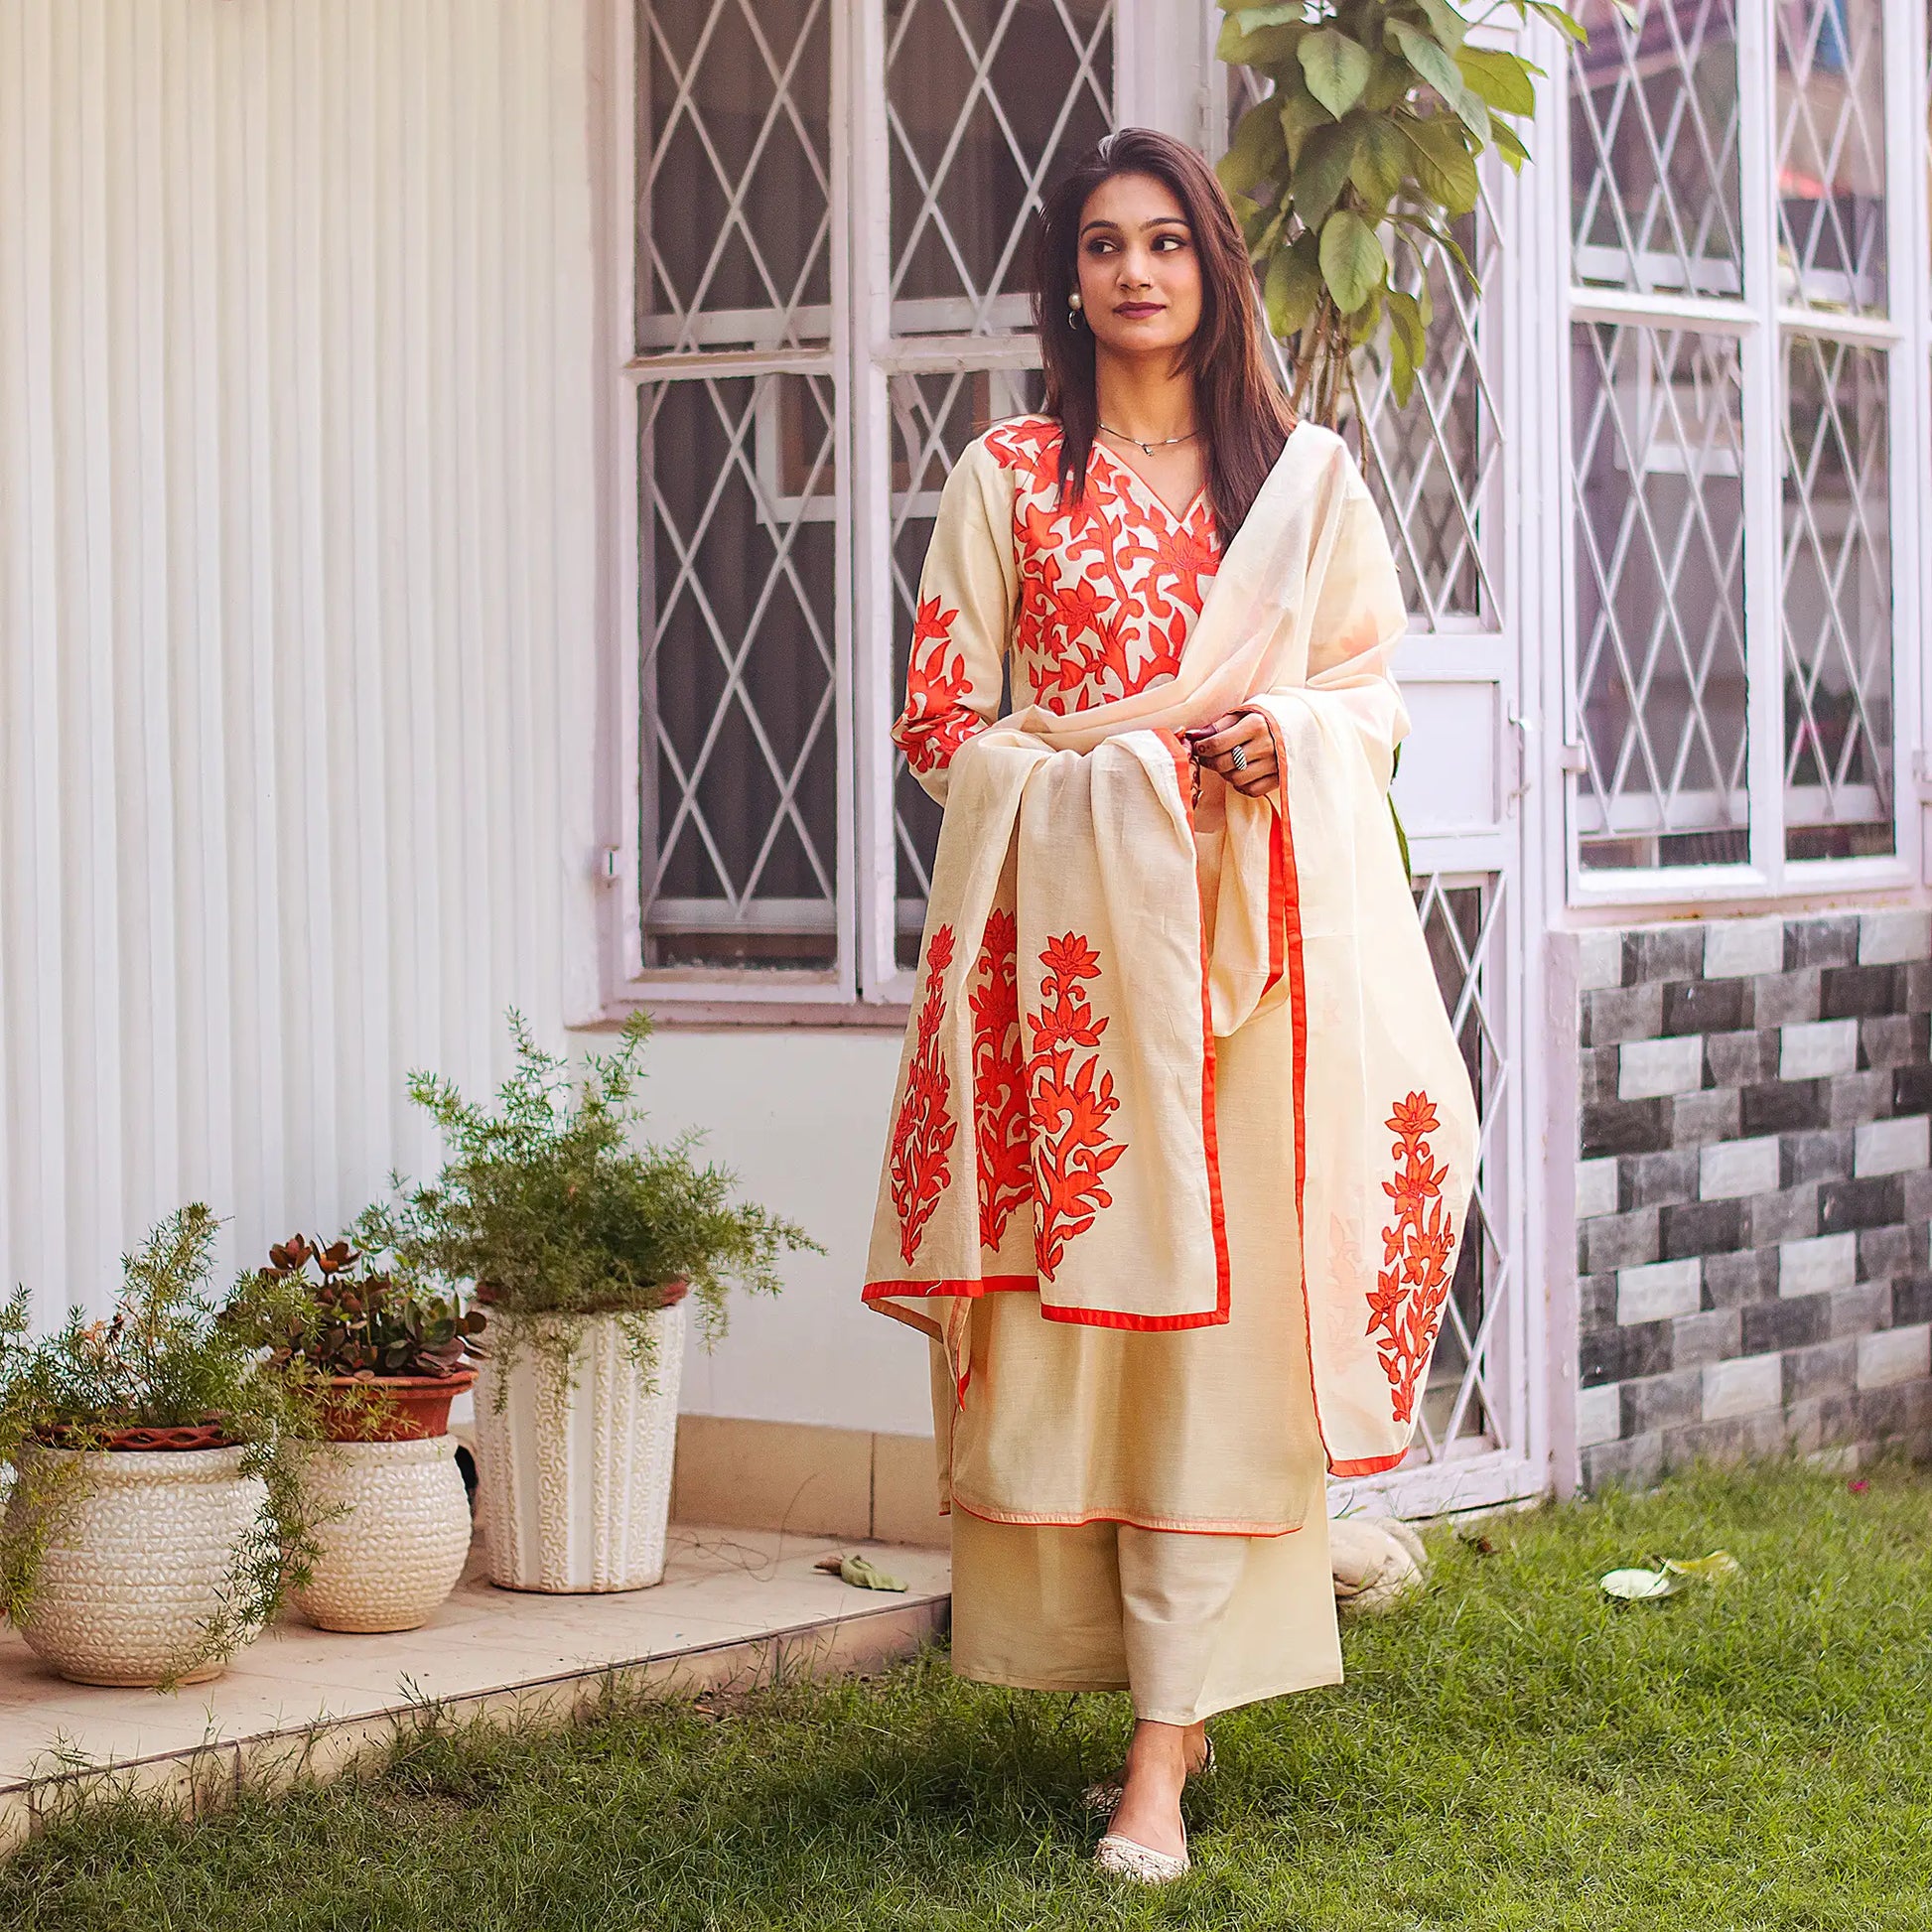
[(1102, 1797), (1127, 1858)]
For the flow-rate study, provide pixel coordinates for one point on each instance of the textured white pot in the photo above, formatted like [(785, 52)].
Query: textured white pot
[(574, 1486), (393, 1523), (142, 1545)]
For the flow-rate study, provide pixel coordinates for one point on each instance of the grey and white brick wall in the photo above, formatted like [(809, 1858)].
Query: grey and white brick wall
[(1754, 1189)]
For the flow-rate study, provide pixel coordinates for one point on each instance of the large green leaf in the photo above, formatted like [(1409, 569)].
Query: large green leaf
[(1256, 151), (1444, 168), (1445, 22), (1289, 13), (1509, 145), (1323, 169), (1261, 48), (1382, 161), (1337, 68), (1293, 287), (1407, 325), (1437, 65), (1301, 115), (1352, 262), (1502, 80)]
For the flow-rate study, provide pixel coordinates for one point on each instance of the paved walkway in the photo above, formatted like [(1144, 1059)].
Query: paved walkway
[(735, 1606)]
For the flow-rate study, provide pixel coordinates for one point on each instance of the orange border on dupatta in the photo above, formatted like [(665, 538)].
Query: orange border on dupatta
[(1216, 1317)]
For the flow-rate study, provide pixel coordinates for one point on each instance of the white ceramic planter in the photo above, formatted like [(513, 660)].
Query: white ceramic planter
[(142, 1547), (393, 1523), (574, 1486)]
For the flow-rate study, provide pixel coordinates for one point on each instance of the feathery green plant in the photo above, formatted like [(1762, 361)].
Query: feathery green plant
[(548, 1206), (163, 1360)]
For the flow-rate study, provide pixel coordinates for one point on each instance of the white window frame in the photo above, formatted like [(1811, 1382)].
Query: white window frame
[(1161, 55), (1760, 324)]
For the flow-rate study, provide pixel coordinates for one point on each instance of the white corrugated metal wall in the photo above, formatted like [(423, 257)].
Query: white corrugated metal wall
[(297, 593)]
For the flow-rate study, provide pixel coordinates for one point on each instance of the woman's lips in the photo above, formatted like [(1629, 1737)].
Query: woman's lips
[(1134, 311)]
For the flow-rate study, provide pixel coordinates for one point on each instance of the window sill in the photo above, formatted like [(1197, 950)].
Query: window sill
[(770, 1016)]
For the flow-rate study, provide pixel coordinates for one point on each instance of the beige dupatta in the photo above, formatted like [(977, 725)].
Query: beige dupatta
[(1054, 1125)]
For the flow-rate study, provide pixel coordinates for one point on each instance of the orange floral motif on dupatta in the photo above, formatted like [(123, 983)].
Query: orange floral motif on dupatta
[(922, 1135), (1110, 585), (1406, 1304), (1000, 1083), (1069, 1109)]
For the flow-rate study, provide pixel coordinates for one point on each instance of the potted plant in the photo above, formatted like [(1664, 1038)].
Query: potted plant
[(383, 1357), (156, 1522), (590, 1253)]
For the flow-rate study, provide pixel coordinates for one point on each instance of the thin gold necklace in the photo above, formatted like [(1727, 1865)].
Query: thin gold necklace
[(1148, 449)]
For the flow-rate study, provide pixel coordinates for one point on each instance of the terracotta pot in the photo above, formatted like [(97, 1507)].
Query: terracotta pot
[(392, 1522), (171, 1437), (140, 1553), (574, 1471), (413, 1408)]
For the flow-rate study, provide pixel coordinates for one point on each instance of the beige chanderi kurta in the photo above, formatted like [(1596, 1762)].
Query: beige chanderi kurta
[(1160, 1072)]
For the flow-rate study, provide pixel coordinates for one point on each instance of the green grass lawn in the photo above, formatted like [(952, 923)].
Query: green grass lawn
[(1512, 1750)]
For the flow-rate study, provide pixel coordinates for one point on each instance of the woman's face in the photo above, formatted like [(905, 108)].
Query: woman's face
[(1140, 272)]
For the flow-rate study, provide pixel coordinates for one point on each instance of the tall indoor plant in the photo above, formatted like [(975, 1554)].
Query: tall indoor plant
[(383, 1357), (157, 1520), (589, 1251)]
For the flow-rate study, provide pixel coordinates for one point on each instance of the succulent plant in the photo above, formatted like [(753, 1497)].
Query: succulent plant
[(349, 1318)]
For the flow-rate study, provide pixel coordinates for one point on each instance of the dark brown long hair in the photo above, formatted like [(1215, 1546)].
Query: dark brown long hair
[(1242, 410)]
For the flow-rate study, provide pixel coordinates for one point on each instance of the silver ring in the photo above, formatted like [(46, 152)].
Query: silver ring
[(1238, 758)]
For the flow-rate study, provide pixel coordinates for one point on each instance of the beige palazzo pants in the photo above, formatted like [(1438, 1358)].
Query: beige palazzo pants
[(1148, 1511)]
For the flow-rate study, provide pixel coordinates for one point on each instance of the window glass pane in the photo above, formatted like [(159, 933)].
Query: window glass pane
[(733, 170), (1653, 147), (739, 738), (986, 101), (1660, 596), (1432, 462), (934, 417), (1831, 182), (1836, 555)]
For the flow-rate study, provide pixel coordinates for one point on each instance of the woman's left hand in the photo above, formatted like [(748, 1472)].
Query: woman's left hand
[(1213, 745)]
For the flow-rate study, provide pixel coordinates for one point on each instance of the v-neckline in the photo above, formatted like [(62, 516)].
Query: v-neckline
[(1179, 518)]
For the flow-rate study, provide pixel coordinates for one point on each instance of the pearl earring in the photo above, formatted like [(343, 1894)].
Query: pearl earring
[(1073, 309)]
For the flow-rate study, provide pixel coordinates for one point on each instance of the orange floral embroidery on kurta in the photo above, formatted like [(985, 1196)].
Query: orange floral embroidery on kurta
[(937, 719), (1069, 1107), (1002, 1141), (1109, 586), (922, 1135), (1406, 1304)]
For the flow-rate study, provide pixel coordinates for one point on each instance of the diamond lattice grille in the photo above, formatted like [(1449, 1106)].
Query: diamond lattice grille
[(985, 100), (1653, 146), (1660, 596), (1432, 462), (736, 149), (1464, 925), (1836, 561), (740, 671), (1830, 155)]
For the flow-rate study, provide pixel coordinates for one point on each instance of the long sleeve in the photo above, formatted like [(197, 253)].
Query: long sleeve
[(968, 590)]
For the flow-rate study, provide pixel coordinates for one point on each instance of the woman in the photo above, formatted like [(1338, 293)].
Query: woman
[(1169, 927)]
